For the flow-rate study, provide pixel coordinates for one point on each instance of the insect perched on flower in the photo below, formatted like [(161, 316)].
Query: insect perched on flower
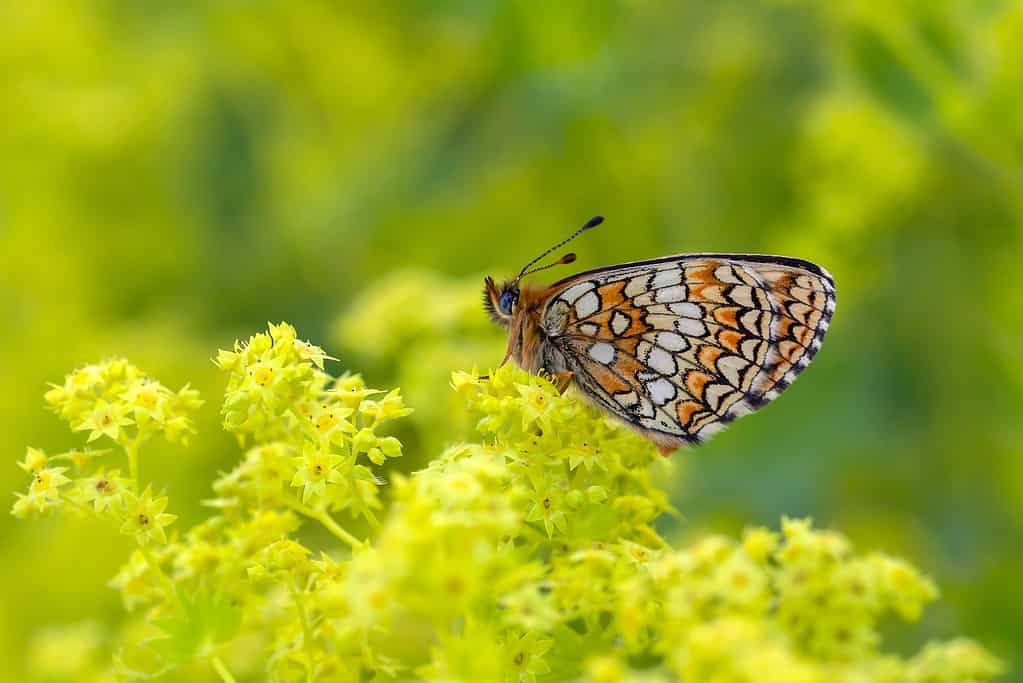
[(676, 347)]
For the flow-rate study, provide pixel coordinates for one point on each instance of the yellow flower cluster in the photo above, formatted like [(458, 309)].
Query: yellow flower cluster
[(116, 400), (316, 436), (529, 554)]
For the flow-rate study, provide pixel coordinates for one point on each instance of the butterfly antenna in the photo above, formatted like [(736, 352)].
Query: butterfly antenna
[(567, 258)]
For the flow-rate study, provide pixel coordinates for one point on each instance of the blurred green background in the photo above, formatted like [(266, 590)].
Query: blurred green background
[(176, 174)]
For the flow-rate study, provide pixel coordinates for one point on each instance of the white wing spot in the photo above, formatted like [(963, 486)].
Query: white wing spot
[(690, 327), (672, 341), (576, 291), (661, 361), (675, 293), (637, 285), (589, 329), (602, 352), (587, 305), (619, 323), (666, 278), (660, 391), (687, 309)]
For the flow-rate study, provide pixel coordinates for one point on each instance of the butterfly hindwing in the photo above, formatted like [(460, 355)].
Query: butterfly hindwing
[(680, 346)]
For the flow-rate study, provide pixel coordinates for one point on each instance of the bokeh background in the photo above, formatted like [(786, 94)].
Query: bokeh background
[(174, 175)]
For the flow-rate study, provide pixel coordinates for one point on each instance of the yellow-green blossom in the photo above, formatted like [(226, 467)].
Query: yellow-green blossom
[(144, 517), (46, 482), (528, 552), (314, 470), (105, 419), (118, 400), (526, 657), (103, 490), (136, 582), (35, 460)]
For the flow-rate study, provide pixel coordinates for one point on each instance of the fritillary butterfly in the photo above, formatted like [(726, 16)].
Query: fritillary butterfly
[(676, 347)]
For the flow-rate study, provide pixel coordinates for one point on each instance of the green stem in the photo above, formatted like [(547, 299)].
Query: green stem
[(132, 449), (307, 628), (222, 670), (372, 519), (538, 530), (324, 518)]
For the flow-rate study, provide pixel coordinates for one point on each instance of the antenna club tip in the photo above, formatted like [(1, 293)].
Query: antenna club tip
[(568, 258), (593, 222)]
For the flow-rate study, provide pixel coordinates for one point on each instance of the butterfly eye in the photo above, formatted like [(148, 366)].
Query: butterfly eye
[(507, 301)]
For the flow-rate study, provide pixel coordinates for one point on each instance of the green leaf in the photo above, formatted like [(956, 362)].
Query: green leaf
[(207, 622)]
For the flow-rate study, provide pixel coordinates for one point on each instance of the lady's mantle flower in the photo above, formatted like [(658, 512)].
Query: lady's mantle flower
[(144, 399), (145, 517), (106, 398), (288, 557), (43, 492), (104, 490), (47, 482), (759, 543), (35, 460), (530, 608), (273, 379), (328, 422), (547, 507), (526, 657), (105, 419), (135, 580), (537, 397), (316, 469), (390, 407), (794, 607)]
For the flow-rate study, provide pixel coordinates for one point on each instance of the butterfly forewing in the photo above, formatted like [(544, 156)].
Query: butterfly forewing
[(682, 345)]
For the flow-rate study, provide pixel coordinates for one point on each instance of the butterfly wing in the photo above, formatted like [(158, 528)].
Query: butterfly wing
[(678, 347)]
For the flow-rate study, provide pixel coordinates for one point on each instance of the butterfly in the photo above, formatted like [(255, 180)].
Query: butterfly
[(676, 347)]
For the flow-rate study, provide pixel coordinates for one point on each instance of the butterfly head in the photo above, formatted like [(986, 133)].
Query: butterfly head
[(501, 302)]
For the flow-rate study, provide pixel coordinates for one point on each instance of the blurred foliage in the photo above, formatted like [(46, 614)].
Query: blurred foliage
[(177, 173)]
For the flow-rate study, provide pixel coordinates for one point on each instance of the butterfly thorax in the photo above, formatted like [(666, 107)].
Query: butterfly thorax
[(528, 331)]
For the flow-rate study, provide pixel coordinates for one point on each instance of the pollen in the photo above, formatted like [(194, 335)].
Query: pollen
[(147, 399), (262, 376)]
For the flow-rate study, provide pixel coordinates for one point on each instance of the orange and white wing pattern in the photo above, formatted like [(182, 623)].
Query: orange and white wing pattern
[(680, 346)]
